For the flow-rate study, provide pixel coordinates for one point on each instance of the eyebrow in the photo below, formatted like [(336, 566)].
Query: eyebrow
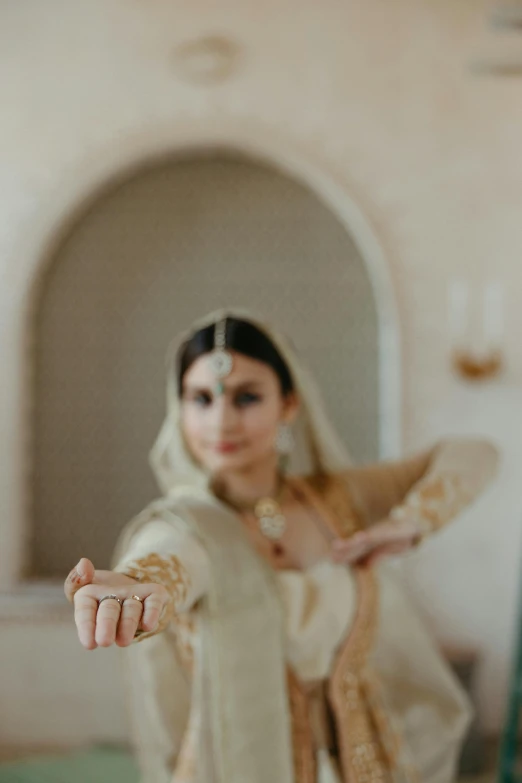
[(229, 388)]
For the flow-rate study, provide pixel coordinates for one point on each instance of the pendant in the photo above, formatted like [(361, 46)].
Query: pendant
[(221, 363), (272, 523), (273, 527)]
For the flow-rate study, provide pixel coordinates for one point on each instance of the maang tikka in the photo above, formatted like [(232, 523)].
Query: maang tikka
[(220, 359)]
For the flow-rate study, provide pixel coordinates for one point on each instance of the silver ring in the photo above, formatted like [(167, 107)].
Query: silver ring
[(112, 598)]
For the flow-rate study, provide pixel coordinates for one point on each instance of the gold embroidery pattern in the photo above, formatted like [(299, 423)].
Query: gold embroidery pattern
[(369, 751), (185, 628), (302, 742), (434, 502), (167, 571)]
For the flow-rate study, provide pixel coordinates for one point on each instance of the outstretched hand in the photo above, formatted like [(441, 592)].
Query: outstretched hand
[(103, 623)]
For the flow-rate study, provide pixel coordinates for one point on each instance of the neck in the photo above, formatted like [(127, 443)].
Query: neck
[(247, 486)]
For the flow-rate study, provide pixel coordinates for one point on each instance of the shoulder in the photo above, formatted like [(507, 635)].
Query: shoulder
[(161, 524)]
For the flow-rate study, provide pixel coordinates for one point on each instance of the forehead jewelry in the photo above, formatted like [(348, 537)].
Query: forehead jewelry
[(220, 359)]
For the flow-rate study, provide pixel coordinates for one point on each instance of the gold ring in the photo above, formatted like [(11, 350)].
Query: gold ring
[(137, 598)]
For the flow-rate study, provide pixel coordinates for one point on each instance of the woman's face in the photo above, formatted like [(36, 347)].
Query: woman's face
[(233, 428)]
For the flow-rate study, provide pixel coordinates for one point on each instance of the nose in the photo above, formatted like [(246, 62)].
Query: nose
[(224, 417)]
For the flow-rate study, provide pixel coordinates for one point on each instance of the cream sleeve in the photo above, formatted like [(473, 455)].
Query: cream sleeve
[(430, 488), (168, 554)]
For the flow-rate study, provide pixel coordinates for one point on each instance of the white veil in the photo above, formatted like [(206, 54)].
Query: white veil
[(318, 448)]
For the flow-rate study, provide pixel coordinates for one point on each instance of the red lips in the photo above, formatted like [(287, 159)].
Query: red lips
[(226, 448)]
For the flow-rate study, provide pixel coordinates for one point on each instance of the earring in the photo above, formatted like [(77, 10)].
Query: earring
[(284, 440)]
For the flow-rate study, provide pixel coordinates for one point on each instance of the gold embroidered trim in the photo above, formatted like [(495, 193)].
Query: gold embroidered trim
[(302, 741), (166, 571), (370, 747), (361, 752), (434, 501)]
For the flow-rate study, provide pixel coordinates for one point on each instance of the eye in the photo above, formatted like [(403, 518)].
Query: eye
[(245, 399), (202, 399)]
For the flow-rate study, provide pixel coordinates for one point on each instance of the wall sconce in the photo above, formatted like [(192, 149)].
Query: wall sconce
[(207, 61), (476, 319)]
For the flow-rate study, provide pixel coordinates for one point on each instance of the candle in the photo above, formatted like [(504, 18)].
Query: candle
[(458, 300), (493, 315)]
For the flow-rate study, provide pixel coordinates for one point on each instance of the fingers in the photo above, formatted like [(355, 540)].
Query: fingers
[(96, 620), (351, 550), (153, 608), (130, 618), (103, 621), (115, 623), (107, 620), (81, 575), (368, 545), (85, 611)]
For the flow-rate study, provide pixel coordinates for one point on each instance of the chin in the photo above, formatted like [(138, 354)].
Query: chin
[(224, 463)]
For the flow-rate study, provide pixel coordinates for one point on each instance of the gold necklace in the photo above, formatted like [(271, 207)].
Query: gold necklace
[(267, 510)]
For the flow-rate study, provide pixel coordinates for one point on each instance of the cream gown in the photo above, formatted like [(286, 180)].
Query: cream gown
[(319, 605), (211, 686)]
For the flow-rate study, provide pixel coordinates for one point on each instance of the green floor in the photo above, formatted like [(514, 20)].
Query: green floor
[(96, 766)]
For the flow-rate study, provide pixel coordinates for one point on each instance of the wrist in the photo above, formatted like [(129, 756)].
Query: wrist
[(412, 523)]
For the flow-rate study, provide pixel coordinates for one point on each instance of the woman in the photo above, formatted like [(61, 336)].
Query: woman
[(275, 651)]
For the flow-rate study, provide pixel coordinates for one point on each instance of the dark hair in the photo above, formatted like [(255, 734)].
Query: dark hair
[(241, 336)]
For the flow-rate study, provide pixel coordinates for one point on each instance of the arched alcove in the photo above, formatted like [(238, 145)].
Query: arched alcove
[(152, 252)]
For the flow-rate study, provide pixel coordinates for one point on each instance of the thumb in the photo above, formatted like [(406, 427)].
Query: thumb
[(81, 575)]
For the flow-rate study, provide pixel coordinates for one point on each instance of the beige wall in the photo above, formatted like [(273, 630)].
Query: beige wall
[(152, 254), (375, 95)]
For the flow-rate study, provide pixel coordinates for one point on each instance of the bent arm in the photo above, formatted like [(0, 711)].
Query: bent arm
[(430, 488)]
